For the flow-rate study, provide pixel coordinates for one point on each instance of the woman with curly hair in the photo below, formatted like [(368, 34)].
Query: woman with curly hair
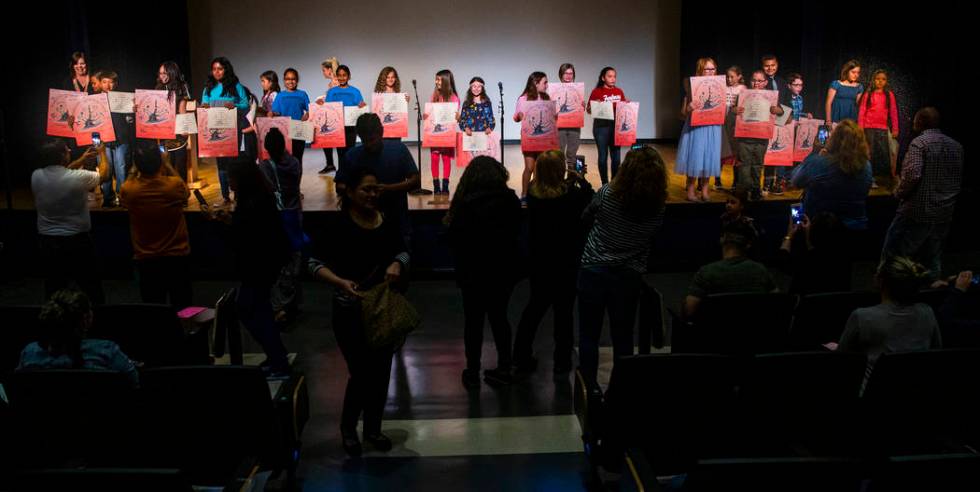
[(625, 216)]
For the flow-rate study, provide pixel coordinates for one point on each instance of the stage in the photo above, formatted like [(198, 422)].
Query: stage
[(319, 194)]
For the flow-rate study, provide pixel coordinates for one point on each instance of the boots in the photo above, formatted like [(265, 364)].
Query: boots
[(435, 187), (445, 187)]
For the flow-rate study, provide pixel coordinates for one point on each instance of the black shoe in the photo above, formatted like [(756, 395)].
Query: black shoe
[(327, 169), (435, 187), (776, 190), (352, 445), (497, 377), (379, 442), (471, 378), (445, 187)]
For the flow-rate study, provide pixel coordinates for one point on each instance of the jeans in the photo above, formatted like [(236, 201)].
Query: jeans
[(602, 289), (920, 241), (165, 277), (751, 153), (486, 300), (568, 143), (369, 369), (223, 163), (255, 314), (118, 154), (67, 259), (603, 142), (549, 289)]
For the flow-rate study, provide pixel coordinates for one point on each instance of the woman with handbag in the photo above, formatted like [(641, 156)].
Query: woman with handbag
[(371, 253)]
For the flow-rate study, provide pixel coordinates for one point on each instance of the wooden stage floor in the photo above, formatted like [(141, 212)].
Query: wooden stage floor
[(319, 195)]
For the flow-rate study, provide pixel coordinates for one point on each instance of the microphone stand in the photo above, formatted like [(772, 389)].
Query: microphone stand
[(500, 85), (418, 126)]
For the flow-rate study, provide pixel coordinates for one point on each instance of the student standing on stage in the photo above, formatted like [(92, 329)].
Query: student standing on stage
[(80, 80), (223, 89), (170, 79), (752, 151), (878, 116), (602, 130), (329, 68), (843, 94), (295, 104), (568, 138), (388, 81), (779, 181), (535, 89), (270, 89), (118, 151), (699, 151), (476, 114), (350, 96), (729, 149), (445, 91)]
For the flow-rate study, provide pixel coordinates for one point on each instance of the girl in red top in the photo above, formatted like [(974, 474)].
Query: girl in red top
[(602, 130), (878, 116), (445, 91)]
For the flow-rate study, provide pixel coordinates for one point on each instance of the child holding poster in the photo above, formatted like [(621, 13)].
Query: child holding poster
[(170, 79), (295, 104), (569, 138), (329, 69), (752, 151), (777, 177), (729, 152), (476, 114), (270, 89), (118, 151), (602, 130), (699, 151), (535, 89), (350, 96), (389, 83), (445, 91)]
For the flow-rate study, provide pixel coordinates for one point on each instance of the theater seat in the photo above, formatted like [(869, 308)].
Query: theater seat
[(738, 323)]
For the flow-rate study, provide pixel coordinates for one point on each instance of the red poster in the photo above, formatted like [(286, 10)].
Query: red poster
[(627, 117), (262, 127), (570, 99), (439, 129), (806, 134), (156, 115), (392, 108), (60, 104), (780, 150), (215, 143), (757, 121), (464, 157), (328, 125), (708, 97), (539, 130), (90, 115)]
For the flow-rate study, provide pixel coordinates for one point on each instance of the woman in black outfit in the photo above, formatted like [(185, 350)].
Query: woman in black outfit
[(372, 251), (556, 235), (484, 222)]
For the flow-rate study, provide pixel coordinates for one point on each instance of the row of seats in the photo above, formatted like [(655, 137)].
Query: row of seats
[(670, 413)]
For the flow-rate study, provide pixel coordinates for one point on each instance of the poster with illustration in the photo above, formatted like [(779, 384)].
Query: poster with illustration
[(262, 127), (806, 134), (328, 125), (215, 142), (156, 115), (392, 108), (627, 117), (492, 146), (539, 130), (60, 105), (780, 149), (91, 114), (708, 99), (756, 121), (570, 101), (439, 129)]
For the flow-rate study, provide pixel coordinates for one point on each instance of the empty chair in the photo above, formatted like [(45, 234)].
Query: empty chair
[(820, 318), (741, 323), (799, 474)]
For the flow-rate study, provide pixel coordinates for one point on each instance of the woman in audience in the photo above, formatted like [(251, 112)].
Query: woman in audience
[(65, 319), (555, 238), (372, 251), (899, 323), (815, 254), (625, 214), (484, 222), (838, 178)]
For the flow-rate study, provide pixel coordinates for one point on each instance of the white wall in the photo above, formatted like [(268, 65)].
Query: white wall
[(502, 40)]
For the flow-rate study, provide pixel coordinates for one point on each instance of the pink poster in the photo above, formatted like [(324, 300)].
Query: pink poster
[(570, 99), (806, 134), (756, 121), (393, 118), (262, 127), (539, 130), (328, 125), (464, 157), (60, 104), (217, 142), (90, 115), (780, 150), (439, 129), (156, 115), (627, 117), (708, 97)]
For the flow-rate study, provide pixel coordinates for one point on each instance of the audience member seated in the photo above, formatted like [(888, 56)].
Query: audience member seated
[(899, 323), (64, 321), (735, 272), (814, 253), (959, 315)]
